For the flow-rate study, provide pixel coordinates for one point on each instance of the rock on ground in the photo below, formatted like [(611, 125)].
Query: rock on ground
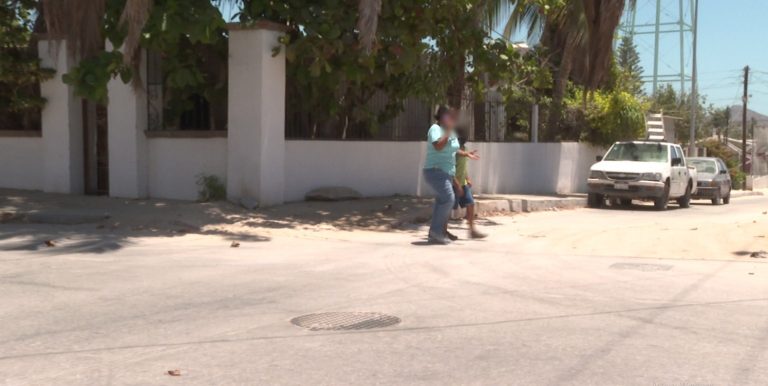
[(333, 193)]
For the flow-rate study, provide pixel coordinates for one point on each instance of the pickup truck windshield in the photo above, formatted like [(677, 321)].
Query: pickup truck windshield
[(640, 152)]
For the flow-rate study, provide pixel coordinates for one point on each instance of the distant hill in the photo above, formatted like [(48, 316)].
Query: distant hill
[(762, 120)]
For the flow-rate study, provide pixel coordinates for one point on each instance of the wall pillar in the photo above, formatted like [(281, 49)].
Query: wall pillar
[(127, 120), (62, 123), (256, 129)]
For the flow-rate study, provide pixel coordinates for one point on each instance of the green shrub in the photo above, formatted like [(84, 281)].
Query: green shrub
[(212, 188), (612, 116)]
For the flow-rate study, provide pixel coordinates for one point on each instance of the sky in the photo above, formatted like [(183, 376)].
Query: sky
[(732, 34)]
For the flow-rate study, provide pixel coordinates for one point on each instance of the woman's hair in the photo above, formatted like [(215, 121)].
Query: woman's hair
[(442, 111)]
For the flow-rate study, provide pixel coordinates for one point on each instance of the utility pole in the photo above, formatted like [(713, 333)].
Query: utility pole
[(744, 100), (694, 90)]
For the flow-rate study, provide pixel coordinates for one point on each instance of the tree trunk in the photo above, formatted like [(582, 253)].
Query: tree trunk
[(456, 89), (558, 93)]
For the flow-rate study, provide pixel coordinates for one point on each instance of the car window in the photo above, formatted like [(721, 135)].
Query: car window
[(705, 166), (641, 152), (675, 152), (722, 165)]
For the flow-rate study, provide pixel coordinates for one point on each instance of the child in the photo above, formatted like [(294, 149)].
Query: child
[(462, 186)]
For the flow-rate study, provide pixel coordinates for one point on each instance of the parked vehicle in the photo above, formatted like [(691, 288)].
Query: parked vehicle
[(714, 180), (642, 170)]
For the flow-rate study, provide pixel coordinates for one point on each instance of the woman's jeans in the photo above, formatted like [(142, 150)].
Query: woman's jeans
[(441, 183)]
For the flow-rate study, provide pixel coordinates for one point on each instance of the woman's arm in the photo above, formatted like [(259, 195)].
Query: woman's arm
[(440, 143)]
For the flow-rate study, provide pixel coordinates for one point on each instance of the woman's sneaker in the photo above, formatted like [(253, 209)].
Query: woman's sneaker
[(438, 241)]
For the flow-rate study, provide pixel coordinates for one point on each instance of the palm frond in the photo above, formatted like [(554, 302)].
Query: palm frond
[(78, 22), (526, 16)]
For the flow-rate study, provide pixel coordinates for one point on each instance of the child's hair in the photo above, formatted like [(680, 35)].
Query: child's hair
[(462, 134)]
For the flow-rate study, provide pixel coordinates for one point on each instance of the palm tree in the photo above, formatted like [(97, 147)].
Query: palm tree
[(583, 27)]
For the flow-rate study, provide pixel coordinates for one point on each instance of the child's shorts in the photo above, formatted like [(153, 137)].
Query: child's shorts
[(464, 201)]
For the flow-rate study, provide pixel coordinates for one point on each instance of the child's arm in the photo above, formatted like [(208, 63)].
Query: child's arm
[(469, 154)]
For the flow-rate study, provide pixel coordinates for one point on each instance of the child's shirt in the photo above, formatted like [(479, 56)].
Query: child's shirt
[(461, 169)]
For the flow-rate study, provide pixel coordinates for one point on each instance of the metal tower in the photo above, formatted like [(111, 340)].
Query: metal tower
[(672, 28)]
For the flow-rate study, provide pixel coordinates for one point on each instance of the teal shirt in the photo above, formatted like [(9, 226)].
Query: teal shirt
[(444, 159)]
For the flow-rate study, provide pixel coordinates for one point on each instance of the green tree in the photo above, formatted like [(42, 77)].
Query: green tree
[(630, 70), (20, 71), (676, 105)]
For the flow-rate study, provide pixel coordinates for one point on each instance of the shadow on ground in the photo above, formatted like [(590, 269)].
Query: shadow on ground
[(57, 223)]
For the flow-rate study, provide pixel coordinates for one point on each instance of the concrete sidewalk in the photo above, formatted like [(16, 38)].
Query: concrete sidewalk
[(380, 213), (517, 203)]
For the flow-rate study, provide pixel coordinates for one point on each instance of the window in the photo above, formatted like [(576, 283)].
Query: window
[(704, 166), (640, 152)]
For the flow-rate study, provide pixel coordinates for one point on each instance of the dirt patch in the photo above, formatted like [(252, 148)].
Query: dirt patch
[(169, 217)]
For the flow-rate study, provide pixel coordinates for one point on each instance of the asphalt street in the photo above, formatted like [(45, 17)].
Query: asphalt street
[(545, 300)]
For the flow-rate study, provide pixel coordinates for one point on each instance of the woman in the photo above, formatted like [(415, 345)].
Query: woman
[(439, 170)]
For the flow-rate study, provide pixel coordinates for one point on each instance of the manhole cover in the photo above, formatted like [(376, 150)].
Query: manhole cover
[(641, 267), (345, 321)]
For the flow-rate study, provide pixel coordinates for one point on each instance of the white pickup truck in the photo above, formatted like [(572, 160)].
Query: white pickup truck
[(642, 170)]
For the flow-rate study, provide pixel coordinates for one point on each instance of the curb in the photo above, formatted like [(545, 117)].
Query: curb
[(537, 205), (744, 193), (525, 205)]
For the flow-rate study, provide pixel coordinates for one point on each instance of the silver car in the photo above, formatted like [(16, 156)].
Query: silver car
[(714, 180)]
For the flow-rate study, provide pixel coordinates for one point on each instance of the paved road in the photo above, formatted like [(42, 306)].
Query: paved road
[(501, 311)]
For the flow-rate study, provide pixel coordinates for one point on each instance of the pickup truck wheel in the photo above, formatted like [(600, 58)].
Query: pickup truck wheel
[(595, 200), (660, 203), (685, 201)]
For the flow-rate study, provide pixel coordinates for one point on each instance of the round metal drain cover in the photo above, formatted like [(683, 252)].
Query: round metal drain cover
[(345, 321)]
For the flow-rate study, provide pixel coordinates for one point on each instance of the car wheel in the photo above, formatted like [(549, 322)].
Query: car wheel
[(717, 200), (727, 199), (660, 203), (685, 201), (595, 200)]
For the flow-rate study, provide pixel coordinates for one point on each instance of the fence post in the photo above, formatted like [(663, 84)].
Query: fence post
[(535, 123), (127, 142), (256, 128), (62, 123)]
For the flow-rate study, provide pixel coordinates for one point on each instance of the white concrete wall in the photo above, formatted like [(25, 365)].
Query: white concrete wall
[(372, 168), (62, 124), (256, 117), (386, 168), (21, 163), (176, 163), (757, 182), (532, 168), (127, 116)]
